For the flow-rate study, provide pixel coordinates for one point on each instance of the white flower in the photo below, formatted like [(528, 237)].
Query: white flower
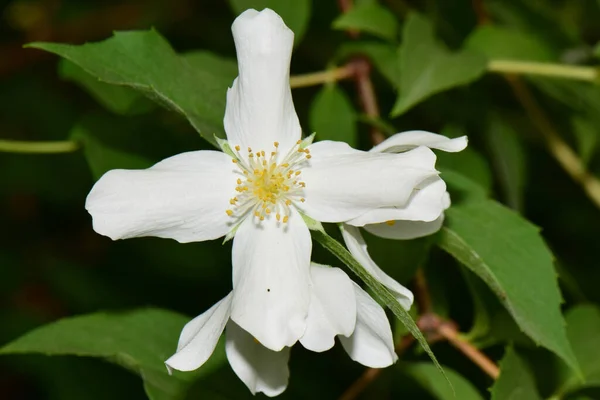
[(421, 215), (338, 307), (257, 190)]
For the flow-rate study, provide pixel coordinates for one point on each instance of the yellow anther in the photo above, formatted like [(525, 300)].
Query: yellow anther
[(229, 212), (285, 219), (390, 222), (262, 218), (262, 152), (237, 148), (288, 202), (256, 214), (251, 155), (302, 200), (276, 144), (302, 184), (299, 141), (268, 211), (249, 150), (232, 201), (308, 156), (307, 151), (233, 160), (285, 165), (239, 181), (264, 163), (273, 154), (297, 173), (278, 216)]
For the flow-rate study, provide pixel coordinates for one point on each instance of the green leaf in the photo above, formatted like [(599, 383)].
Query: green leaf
[(332, 116), (597, 50), (381, 292), (384, 57), (427, 67), (587, 137), (118, 99), (102, 157), (583, 330), (515, 381), (497, 42), (428, 376), (295, 13), (462, 187), (139, 341), (508, 253), (144, 61), (371, 18), (508, 158)]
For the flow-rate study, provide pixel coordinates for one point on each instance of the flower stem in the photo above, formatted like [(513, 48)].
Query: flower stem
[(591, 74), (318, 78), (17, 146)]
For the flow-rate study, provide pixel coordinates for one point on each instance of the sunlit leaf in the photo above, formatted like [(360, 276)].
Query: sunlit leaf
[(427, 67), (139, 341), (508, 253)]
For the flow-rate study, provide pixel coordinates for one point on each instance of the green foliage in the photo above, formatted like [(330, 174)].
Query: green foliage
[(144, 61), (138, 340), (427, 375), (515, 381), (508, 253), (427, 67), (332, 116), (370, 18), (295, 13), (503, 43), (384, 57)]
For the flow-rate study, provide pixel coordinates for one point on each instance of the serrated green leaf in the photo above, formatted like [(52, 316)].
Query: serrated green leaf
[(428, 376), (497, 42), (583, 330), (384, 57), (508, 253), (508, 158), (332, 116), (371, 18), (139, 341), (428, 67), (295, 13), (515, 381), (382, 294), (144, 61), (118, 99)]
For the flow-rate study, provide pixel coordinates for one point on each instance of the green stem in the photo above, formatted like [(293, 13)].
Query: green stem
[(17, 146), (319, 78), (338, 250), (590, 74)]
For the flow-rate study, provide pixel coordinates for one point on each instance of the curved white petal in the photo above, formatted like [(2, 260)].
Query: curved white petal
[(343, 183), (427, 203), (357, 246), (409, 140), (199, 337), (404, 230), (260, 109), (271, 279), (261, 369), (183, 197), (372, 343), (332, 308)]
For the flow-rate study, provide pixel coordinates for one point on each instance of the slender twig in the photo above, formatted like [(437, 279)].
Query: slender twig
[(370, 374), (422, 297), (318, 78), (17, 146), (480, 12), (591, 74), (449, 332), (565, 156)]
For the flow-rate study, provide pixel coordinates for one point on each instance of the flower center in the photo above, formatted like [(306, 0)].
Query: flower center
[(268, 187)]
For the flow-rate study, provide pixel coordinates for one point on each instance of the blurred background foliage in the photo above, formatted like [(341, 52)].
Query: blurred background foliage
[(53, 265)]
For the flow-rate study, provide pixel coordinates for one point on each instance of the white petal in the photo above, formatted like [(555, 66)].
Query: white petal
[(271, 280), (343, 183), (260, 109), (357, 246), (427, 203), (199, 337), (403, 230), (261, 369), (183, 197), (332, 308), (409, 140), (372, 343)]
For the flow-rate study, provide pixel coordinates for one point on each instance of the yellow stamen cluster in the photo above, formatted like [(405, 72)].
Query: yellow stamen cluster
[(266, 187)]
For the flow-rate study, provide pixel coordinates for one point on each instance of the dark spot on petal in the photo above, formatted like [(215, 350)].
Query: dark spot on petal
[(268, 290)]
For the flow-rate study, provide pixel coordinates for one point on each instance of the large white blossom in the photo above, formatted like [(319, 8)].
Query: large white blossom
[(259, 188), (421, 215), (338, 307)]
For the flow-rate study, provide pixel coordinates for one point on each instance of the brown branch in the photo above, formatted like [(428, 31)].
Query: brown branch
[(481, 12), (450, 333), (421, 290)]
